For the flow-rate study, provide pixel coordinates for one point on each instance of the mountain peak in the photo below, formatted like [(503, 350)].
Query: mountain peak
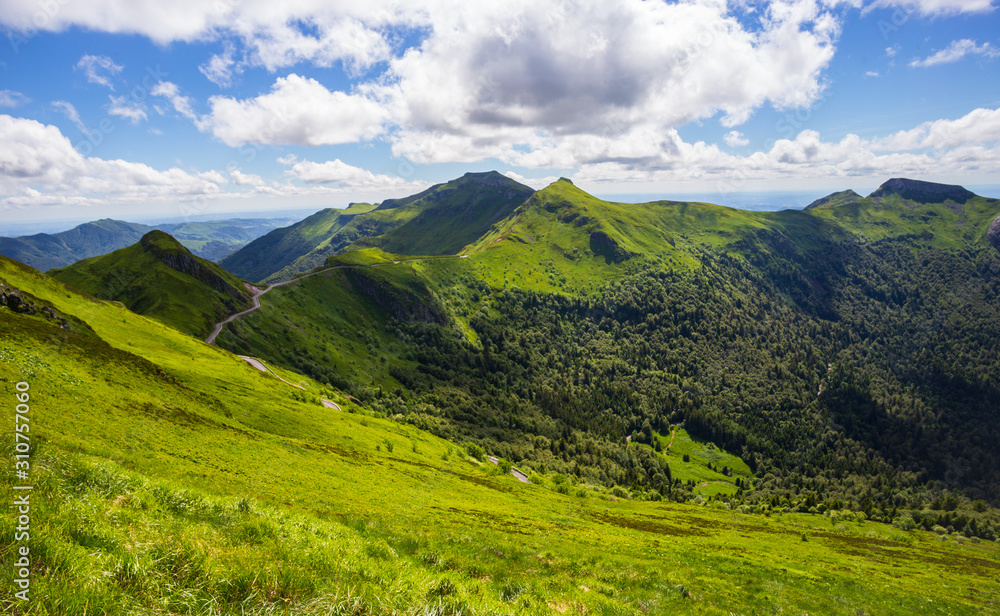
[(923, 192), (834, 199), (161, 243)]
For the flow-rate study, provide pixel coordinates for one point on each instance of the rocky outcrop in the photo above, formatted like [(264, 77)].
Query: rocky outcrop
[(993, 235), (603, 245), (923, 192), (405, 304), (13, 300)]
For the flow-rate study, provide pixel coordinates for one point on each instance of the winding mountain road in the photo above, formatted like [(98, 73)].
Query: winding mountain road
[(513, 471), (258, 292)]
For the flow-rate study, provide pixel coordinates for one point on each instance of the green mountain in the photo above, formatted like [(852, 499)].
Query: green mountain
[(280, 248), (171, 477), (162, 279), (848, 355), (440, 220), (210, 240), (45, 251), (835, 199)]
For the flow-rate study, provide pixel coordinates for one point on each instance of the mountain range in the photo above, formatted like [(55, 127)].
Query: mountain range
[(440, 220), (210, 240), (713, 407)]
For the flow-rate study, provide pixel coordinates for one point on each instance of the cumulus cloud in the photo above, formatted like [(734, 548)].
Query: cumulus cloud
[(956, 51), (99, 69), (130, 110), (10, 98), (343, 175), (935, 7), (735, 138), (970, 144), (536, 183), (979, 126), (297, 110), (499, 75), (39, 166), (239, 178)]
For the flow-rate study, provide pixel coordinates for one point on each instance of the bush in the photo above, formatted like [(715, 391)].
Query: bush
[(475, 451), (904, 523)]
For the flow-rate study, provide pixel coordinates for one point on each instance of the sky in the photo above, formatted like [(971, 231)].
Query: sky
[(142, 108)]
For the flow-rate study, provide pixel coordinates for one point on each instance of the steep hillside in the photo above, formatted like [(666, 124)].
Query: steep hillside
[(440, 220), (281, 247), (170, 477), (160, 278)]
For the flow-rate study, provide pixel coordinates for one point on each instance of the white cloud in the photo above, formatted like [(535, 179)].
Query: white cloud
[(892, 51), (492, 77), (343, 175), (956, 51), (99, 69), (219, 68), (128, 109), (944, 148), (170, 91), (68, 110), (38, 166), (536, 183), (935, 7), (10, 98), (239, 178), (871, 73), (735, 138), (298, 111), (979, 126)]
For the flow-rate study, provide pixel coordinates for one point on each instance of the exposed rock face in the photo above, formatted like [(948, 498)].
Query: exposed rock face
[(13, 300), (993, 235), (414, 304), (603, 245), (923, 192)]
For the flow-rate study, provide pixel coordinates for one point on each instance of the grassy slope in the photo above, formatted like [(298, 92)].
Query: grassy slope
[(440, 220), (453, 215), (279, 248), (152, 440), (932, 224), (141, 280)]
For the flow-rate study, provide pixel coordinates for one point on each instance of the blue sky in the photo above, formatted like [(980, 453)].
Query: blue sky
[(192, 107)]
